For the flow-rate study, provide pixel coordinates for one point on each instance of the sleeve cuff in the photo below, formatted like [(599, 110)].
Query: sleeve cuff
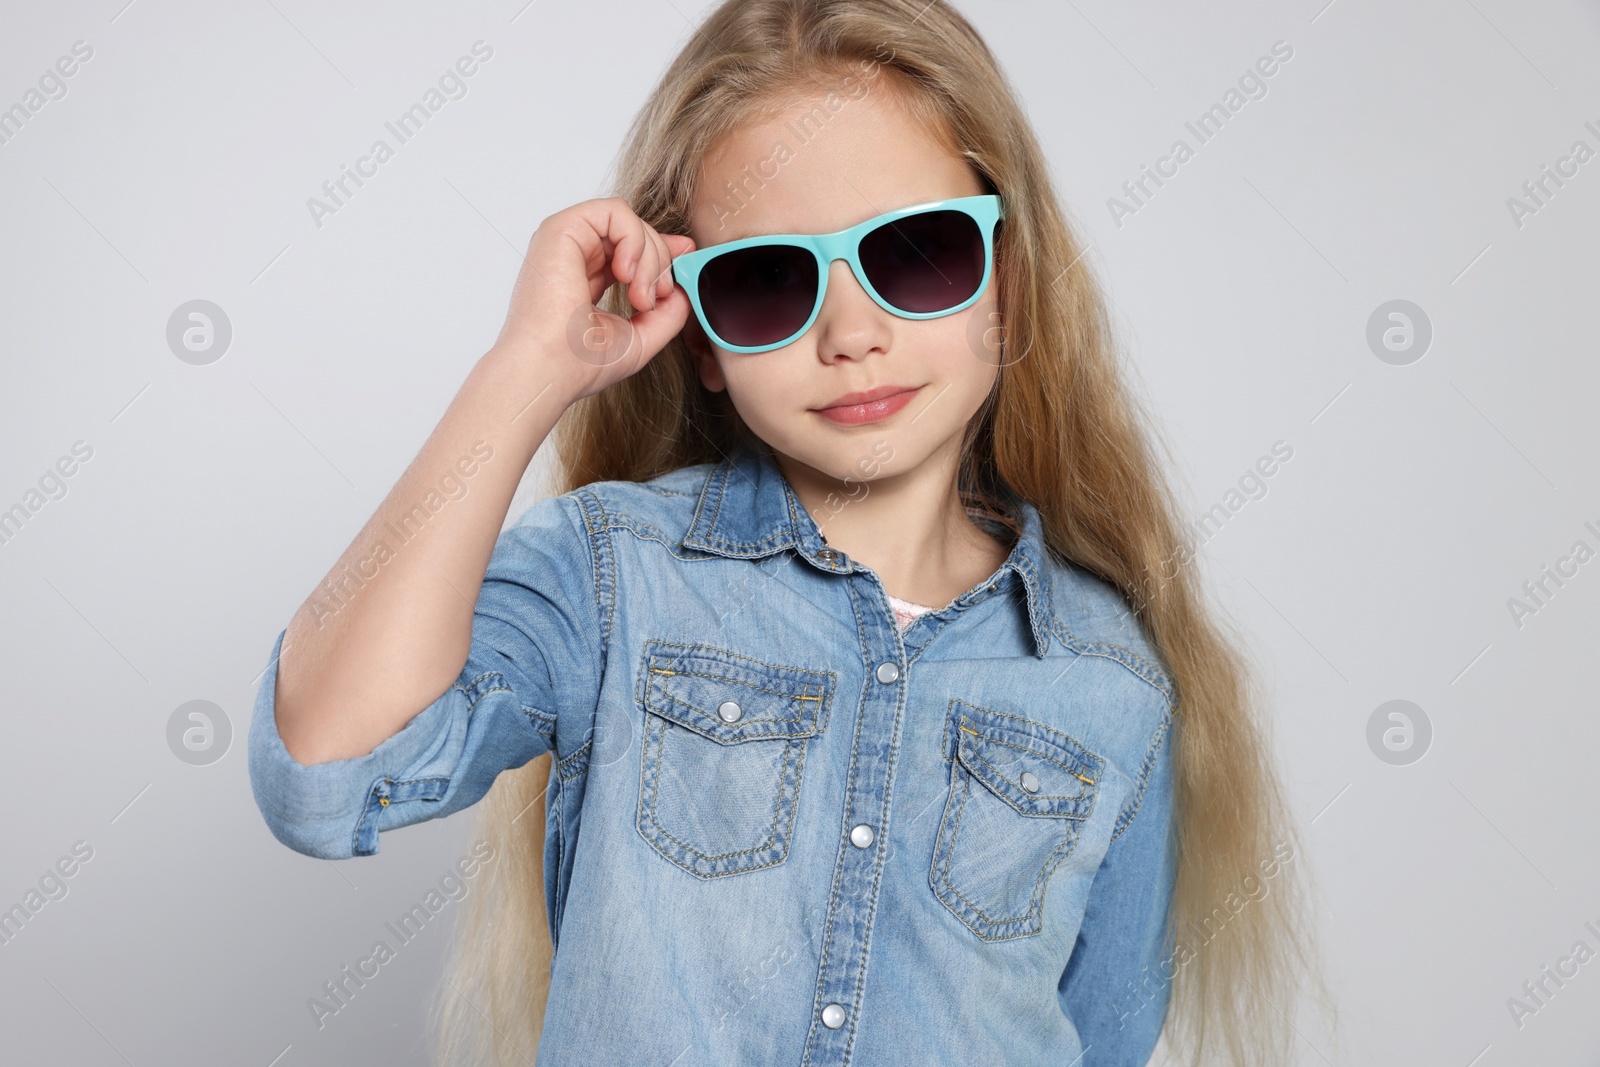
[(334, 810)]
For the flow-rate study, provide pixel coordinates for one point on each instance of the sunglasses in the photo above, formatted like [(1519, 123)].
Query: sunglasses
[(761, 293)]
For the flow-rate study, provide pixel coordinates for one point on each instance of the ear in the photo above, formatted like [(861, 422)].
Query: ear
[(705, 360)]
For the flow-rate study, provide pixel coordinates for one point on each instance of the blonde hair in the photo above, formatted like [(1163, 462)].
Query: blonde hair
[(1059, 431)]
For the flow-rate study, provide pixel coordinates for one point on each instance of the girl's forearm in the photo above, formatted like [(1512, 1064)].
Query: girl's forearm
[(389, 628)]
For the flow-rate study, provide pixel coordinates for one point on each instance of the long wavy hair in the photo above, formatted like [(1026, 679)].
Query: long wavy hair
[(1059, 430)]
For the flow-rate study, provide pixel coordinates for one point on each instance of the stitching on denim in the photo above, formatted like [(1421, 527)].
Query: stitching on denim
[(777, 813), (740, 682), (805, 699), (807, 676), (555, 818), (1034, 914), (1126, 816), (367, 806), (1073, 824), (649, 531), (543, 724), (948, 841), (1038, 796), (1072, 744), (781, 539), (1032, 752), (802, 695), (715, 489), (654, 719), (1032, 920), (1039, 634), (738, 727), (1135, 663), (775, 840), (600, 579), (850, 791), (823, 972), (814, 671), (707, 489), (891, 770), (562, 771)]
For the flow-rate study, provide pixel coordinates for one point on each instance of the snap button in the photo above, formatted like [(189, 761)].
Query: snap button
[(888, 672), (1030, 781), (861, 836), (833, 1016), (827, 554), (729, 711)]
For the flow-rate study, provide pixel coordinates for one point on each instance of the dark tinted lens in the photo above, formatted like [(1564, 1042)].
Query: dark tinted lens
[(759, 296), (927, 262)]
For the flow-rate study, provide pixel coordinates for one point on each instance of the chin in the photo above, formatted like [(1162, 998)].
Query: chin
[(862, 456)]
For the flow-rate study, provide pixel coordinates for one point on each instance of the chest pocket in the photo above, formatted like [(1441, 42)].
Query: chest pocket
[(1020, 792), (724, 752)]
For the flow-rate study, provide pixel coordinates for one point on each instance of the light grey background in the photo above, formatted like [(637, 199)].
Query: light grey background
[(1378, 566)]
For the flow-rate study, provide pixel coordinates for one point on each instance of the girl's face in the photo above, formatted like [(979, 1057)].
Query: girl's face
[(816, 170)]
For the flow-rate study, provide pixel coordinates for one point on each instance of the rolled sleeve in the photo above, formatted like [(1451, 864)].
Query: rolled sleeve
[(535, 657), (1117, 984)]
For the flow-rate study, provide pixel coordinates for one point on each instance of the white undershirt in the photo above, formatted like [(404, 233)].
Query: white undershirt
[(905, 612)]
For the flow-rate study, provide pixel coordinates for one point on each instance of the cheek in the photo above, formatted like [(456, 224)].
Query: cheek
[(962, 350), (763, 381)]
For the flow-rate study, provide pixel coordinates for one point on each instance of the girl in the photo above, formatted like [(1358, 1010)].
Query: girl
[(874, 715)]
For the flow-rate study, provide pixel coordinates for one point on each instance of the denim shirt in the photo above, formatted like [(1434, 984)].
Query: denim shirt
[(779, 829)]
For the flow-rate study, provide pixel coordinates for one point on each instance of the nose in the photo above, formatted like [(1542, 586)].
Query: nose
[(850, 323)]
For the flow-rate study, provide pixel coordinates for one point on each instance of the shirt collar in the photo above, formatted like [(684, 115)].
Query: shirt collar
[(747, 510)]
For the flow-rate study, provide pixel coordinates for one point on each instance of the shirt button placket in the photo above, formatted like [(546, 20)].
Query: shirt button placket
[(875, 748)]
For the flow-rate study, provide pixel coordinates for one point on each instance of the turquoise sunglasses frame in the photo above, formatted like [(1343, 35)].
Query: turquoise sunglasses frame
[(986, 209)]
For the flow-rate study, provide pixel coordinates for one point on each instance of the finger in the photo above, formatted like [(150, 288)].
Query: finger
[(674, 245), (655, 327), (644, 284), (617, 228), (664, 274), (625, 263), (607, 267), (679, 243), (633, 242), (661, 267), (660, 264)]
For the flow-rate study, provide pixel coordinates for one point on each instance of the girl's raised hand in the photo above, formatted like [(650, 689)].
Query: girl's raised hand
[(573, 258)]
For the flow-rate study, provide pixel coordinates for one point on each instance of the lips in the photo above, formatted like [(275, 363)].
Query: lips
[(873, 405), (852, 399)]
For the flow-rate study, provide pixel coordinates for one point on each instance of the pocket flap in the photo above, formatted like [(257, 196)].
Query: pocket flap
[(1010, 754), (732, 698)]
